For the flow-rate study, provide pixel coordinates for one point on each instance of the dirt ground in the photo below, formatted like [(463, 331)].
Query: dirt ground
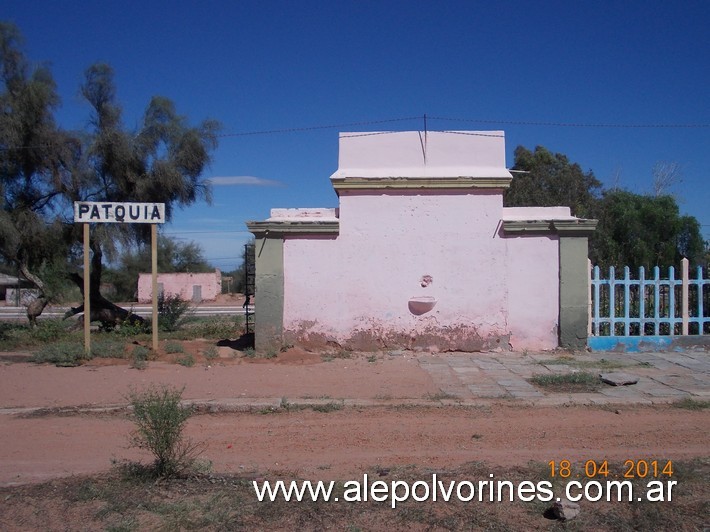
[(71, 434)]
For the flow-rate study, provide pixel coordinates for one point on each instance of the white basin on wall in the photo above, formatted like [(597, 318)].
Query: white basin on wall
[(421, 304)]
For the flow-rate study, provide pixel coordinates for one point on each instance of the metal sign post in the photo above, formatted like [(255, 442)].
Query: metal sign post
[(88, 212)]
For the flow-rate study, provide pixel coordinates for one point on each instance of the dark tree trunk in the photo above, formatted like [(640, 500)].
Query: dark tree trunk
[(35, 308), (102, 310)]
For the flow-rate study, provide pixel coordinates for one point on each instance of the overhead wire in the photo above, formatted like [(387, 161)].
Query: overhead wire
[(427, 117)]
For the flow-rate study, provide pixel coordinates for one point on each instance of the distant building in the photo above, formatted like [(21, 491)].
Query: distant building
[(16, 292), (195, 287)]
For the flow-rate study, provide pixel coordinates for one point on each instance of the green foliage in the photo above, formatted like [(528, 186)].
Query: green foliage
[(633, 230), (210, 353), (332, 406), (174, 347), (49, 330), (45, 168), (690, 403), (108, 346), (580, 381), (160, 421), (187, 360), (172, 312), (132, 329), (636, 230), (139, 357), (36, 158), (64, 353), (216, 327), (551, 180)]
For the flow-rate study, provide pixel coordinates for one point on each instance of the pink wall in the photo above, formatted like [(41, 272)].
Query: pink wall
[(409, 229), (182, 284), (355, 289)]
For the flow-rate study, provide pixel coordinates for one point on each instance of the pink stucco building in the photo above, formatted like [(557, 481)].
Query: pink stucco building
[(195, 287), (422, 254)]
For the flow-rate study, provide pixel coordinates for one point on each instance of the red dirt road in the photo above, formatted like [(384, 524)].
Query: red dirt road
[(309, 444)]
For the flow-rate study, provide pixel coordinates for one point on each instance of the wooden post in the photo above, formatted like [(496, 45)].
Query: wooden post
[(87, 296), (589, 298), (154, 263), (684, 291)]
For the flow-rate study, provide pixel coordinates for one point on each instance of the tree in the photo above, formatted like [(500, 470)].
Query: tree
[(160, 162), (637, 230), (45, 170), (633, 230), (37, 159), (545, 179)]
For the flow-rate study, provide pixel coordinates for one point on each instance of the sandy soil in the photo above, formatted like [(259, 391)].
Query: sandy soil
[(310, 444)]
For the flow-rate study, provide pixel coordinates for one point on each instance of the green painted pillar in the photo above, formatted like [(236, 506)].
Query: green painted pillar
[(269, 296), (574, 282)]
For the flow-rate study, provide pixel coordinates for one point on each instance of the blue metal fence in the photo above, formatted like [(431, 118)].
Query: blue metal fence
[(655, 306)]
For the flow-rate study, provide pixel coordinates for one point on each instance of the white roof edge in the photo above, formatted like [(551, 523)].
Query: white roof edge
[(518, 214)]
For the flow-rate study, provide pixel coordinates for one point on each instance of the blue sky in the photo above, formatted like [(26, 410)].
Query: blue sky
[(275, 65)]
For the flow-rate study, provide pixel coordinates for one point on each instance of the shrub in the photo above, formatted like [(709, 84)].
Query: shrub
[(217, 327), (174, 347), (188, 360), (50, 330), (160, 420), (107, 348), (61, 353), (210, 353), (140, 357), (172, 312)]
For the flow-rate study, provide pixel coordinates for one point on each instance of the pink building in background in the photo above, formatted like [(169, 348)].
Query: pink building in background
[(421, 254), (195, 287)]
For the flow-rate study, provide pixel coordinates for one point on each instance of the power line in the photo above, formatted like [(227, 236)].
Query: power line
[(570, 124), (447, 119), (312, 128)]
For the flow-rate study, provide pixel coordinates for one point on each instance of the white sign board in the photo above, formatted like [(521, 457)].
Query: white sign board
[(127, 213)]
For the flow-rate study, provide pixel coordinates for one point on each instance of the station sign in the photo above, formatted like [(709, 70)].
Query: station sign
[(119, 212)]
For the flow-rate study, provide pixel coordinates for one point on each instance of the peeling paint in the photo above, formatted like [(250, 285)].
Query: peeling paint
[(377, 337)]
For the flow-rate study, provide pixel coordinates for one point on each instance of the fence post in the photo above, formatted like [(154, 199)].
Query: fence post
[(684, 295), (589, 293)]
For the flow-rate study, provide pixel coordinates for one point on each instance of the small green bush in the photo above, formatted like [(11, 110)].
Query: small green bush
[(108, 347), (188, 360), (130, 329), (160, 421), (172, 312), (50, 330), (174, 347), (217, 327), (211, 352), (20, 335), (61, 353), (140, 357)]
